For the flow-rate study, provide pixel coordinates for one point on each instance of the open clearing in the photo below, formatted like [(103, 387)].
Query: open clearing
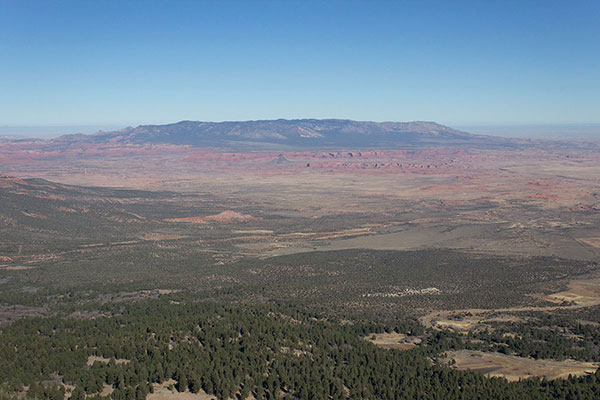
[(93, 359), (162, 236), (458, 325), (394, 340), (162, 392), (15, 267), (595, 241), (514, 368), (580, 293)]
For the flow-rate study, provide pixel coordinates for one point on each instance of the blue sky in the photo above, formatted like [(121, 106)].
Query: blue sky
[(455, 62)]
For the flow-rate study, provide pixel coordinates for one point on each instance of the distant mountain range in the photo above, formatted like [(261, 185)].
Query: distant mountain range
[(300, 133)]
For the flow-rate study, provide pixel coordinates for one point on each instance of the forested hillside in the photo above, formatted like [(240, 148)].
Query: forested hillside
[(237, 351)]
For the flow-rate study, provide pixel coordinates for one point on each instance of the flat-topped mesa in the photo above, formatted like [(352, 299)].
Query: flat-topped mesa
[(282, 133)]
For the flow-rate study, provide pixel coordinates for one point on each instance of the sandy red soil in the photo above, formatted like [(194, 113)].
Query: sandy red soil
[(226, 216)]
